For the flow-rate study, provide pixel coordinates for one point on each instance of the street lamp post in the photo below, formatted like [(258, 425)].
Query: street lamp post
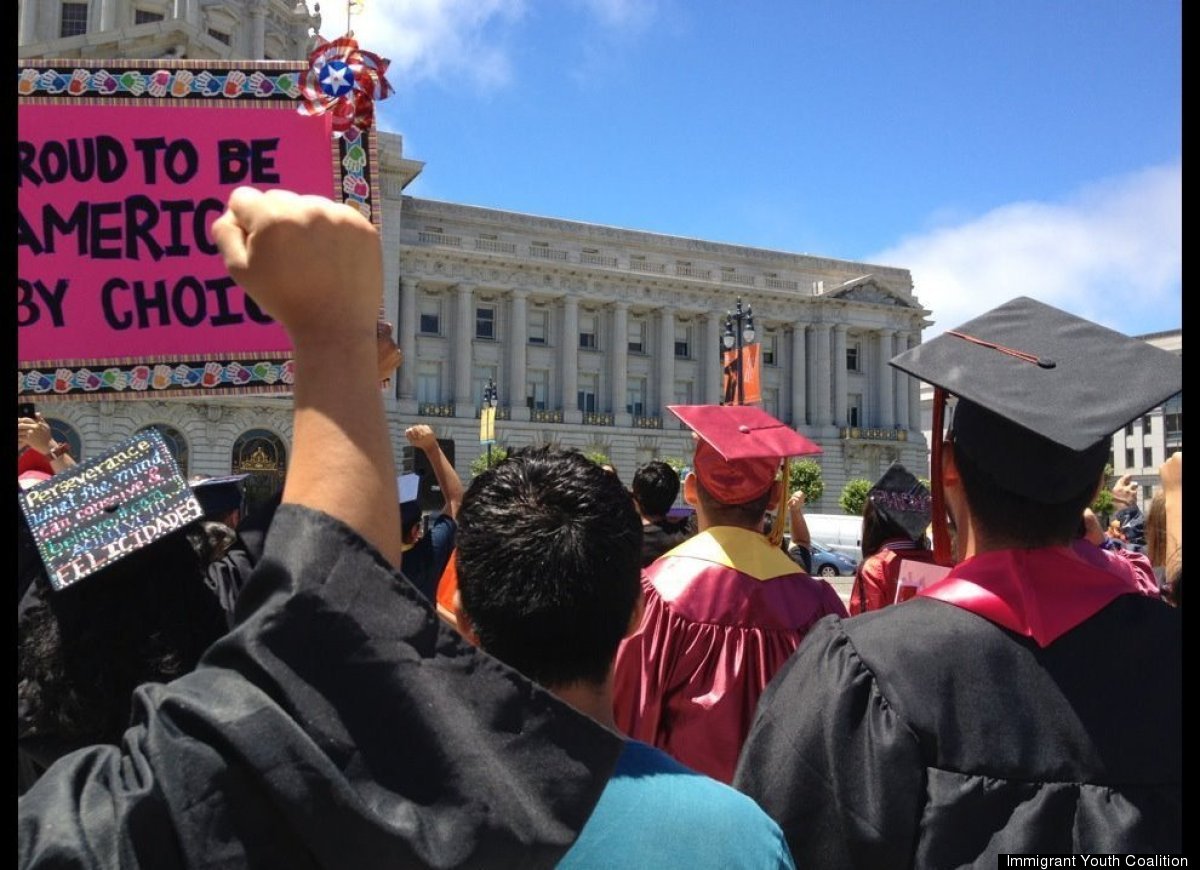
[(739, 331), (489, 408)]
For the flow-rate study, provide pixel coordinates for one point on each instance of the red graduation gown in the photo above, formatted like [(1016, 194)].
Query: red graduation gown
[(724, 611)]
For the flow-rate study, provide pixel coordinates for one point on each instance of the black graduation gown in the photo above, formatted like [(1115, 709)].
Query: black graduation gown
[(340, 725), (926, 736)]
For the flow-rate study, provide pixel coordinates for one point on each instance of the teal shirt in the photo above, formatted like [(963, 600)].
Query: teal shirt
[(655, 812)]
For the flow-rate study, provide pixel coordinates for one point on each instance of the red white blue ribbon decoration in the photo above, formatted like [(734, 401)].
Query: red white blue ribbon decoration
[(345, 81)]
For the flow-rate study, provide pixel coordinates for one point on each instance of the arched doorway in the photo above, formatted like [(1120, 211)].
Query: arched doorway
[(176, 444), (262, 455)]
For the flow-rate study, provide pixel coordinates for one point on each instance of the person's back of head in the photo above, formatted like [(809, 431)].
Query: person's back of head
[(147, 617), (877, 530), (898, 507), (655, 488), (1156, 530), (549, 564)]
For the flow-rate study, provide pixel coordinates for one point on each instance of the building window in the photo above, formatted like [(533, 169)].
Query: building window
[(485, 322), (480, 378), (176, 443), (683, 340), (1147, 457), (538, 318), (587, 331), (587, 389), (635, 396), (1147, 492), (770, 401), (220, 36), (429, 383), (1129, 457), (769, 349), (683, 392), (637, 336), (64, 433), (1146, 425), (431, 316), (145, 16), (73, 19), (537, 385), (853, 357), (854, 409), (1129, 428)]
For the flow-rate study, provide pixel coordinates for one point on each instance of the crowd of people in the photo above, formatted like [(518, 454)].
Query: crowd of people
[(553, 672)]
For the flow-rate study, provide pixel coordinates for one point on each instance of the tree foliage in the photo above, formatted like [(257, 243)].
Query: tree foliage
[(480, 464), (806, 475), (854, 496)]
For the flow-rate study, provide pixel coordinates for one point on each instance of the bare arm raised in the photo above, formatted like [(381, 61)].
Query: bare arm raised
[(316, 267)]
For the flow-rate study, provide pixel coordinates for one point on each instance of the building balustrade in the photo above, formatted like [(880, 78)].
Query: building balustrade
[(435, 409), (598, 260), (440, 239), (781, 284), (502, 413), (545, 416), (546, 253), (692, 272), (591, 418), (647, 422), (643, 266), (737, 278), (495, 247), (855, 433)]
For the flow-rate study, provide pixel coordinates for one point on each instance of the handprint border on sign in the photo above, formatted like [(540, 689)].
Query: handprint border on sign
[(250, 85)]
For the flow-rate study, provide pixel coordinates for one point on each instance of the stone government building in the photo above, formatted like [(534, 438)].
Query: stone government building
[(587, 331)]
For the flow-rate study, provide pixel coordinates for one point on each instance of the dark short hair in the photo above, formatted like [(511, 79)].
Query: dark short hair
[(1017, 519), (655, 486), (549, 564)]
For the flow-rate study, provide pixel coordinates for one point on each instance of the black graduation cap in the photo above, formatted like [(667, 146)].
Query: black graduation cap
[(220, 495), (1040, 392), (902, 499)]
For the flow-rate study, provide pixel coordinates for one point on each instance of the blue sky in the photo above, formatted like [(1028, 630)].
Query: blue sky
[(995, 149)]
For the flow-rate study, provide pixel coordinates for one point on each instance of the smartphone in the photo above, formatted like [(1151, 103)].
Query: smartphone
[(27, 409)]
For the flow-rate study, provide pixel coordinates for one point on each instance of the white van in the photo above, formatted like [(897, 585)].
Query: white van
[(841, 533)]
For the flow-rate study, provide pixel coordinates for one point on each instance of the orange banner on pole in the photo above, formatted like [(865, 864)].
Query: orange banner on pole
[(746, 370)]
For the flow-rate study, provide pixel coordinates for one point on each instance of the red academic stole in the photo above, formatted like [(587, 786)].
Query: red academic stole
[(1046, 592)]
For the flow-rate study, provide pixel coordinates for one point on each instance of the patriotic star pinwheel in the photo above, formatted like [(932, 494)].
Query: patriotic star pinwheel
[(344, 80)]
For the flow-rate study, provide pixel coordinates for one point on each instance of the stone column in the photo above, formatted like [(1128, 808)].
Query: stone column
[(821, 415), (900, 382), (258, 28), (887, 401), (407, 373), (914, 389), (712, 357), (666, 361), (799, 373), (518, 326), (29, 22), (620, 363), (462, 349), (570, 361), (839, 375)]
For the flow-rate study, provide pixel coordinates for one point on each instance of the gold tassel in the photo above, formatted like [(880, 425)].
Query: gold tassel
[(781, 517)]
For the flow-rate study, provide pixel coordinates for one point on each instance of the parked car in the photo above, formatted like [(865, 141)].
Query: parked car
[(828, 563)]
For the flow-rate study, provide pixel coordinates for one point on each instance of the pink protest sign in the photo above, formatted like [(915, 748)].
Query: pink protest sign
[(120, 289)]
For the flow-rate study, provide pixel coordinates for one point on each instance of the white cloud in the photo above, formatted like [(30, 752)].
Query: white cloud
[(434, 39), (1113, 252), (625, 15)]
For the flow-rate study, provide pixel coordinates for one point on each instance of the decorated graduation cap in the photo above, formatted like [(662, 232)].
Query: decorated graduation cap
[(902, 500), (94, 513), (1036, 397), (220, 495), (739, 449)]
